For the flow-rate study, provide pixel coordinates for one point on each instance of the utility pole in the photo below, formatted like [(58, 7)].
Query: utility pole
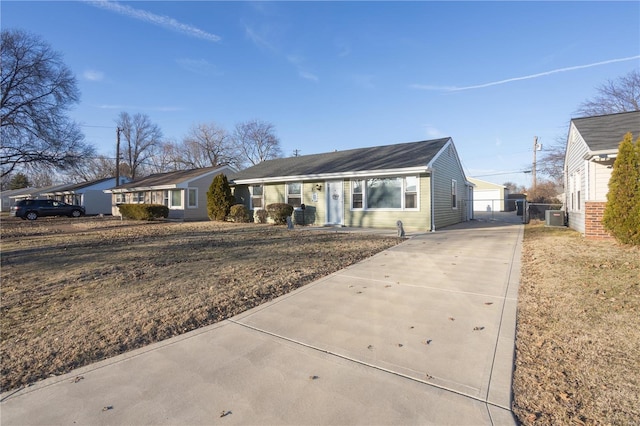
[(118, 129), (536, 147), (296, 152)]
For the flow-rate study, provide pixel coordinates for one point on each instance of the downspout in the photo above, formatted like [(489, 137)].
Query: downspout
[(433, 209)]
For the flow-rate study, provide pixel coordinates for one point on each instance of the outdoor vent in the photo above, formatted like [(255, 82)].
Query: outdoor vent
[(554, 218)]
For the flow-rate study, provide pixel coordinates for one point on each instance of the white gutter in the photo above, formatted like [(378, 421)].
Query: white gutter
[(330, 176)]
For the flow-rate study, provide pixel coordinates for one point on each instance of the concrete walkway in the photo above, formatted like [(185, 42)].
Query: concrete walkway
[(422, 333)]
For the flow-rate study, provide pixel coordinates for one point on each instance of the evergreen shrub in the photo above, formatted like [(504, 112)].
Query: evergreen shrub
[(219, 198), (262, 215), (143, 211), (239, 213), (622, 211), (279, 212)]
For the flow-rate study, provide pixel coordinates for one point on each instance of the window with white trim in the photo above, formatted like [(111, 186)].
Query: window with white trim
[(357, 194), (176, 198), (411, 192), (192, 198), (257, 192), (388, 193), (578, 188), (138, 197), (294, 194), (165, 198), (454, 194), (120, 198)]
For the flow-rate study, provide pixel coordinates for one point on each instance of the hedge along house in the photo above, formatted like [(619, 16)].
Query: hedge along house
[(592, 147), (420, 183), (183, 191)]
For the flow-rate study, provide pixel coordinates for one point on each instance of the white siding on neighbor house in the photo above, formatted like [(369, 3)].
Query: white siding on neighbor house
[(600, 174), (446, 168), (575, 179)]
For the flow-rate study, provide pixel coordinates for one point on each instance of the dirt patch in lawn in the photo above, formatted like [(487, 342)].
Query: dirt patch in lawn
[(578, 339), (78, 291)]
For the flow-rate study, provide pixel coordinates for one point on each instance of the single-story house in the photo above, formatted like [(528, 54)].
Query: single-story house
[(183, 191), (489, 196), (88, 194), (420, 183), (9, 197), (592, 146)]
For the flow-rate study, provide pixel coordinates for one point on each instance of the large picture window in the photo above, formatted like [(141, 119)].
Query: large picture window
[(384, 193), (294, 194), (395, 193)]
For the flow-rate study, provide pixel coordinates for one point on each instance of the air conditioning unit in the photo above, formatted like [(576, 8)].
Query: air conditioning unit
[(554, 218)]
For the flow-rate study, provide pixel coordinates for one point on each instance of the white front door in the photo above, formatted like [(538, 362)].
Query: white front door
[(335, 205)]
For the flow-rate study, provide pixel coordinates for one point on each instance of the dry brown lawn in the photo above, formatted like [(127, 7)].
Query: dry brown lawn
[(75, 291), (578, 335)]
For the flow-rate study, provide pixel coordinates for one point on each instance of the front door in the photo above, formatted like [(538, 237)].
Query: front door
[(335, 205)]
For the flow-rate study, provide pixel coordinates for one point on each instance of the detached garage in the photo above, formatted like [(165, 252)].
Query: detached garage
[(488, 196)]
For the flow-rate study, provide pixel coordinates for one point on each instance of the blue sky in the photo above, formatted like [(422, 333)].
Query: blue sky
[(342, 75)]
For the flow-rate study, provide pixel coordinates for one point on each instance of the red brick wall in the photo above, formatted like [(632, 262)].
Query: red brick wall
[(593, 227)]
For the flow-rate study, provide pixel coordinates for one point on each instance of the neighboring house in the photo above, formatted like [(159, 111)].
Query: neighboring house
[(88, 194), (420, 183), (488, 196), (9, 197), (183, 191), (592, 146)]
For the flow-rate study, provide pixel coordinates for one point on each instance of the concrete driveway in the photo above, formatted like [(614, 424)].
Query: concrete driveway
[(422, 333)]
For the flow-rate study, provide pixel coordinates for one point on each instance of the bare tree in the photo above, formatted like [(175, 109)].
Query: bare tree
[(551, 163), (514, 188), (166, 158), (257, 141), (621, 95), (37, 91), (100, 167), (208, 145), (140, 136)]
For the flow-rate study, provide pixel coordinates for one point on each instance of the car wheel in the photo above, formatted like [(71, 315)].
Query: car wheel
[(76, 213), (32, 215)]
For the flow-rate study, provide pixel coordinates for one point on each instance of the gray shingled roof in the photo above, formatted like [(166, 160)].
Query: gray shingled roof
[(76, 186), (605, 132), (398, 156), (169, 178)]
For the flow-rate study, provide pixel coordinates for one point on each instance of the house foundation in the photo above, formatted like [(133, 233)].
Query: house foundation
[(594, 228)]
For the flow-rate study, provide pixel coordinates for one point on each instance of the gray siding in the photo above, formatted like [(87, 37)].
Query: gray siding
[(446, 168)]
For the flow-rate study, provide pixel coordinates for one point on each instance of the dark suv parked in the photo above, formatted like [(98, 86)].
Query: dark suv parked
[(31, 209)]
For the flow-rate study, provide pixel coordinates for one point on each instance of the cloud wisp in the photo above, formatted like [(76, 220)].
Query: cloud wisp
[(526, 77), (140, 108), (152, 18), (93, 75)]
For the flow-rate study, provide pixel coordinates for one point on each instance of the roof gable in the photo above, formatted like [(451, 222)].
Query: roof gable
[(173, 179), (605, 132), (398, 156)]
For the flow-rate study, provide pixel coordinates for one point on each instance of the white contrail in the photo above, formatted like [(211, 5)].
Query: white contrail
[(152, 18), (526, 77)]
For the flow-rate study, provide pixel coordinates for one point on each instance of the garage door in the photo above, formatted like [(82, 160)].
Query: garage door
[(487, 200)]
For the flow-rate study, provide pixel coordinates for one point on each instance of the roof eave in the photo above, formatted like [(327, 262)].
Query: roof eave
[(331, 176)]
